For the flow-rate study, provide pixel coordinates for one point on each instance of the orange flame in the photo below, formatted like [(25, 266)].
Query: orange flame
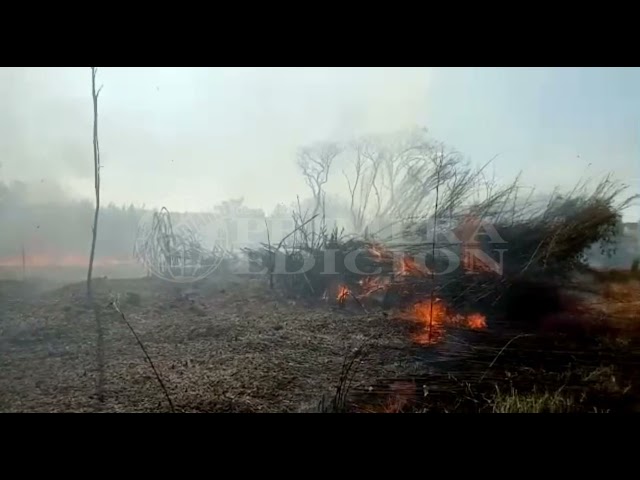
[(433, 318), (378, 251), (476, 321), (370, 285), (409, 267), (343, 294), (405, 265), (474, 259)]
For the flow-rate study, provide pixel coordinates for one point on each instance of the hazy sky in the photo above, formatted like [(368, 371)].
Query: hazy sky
[(192, 137)]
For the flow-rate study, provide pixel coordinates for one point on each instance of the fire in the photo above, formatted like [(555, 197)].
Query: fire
[(403, 265), (476, 321), (370, 285), (379, 252), (343, 294), (474, 258), (431, 317), (409, 267), (434, 317)]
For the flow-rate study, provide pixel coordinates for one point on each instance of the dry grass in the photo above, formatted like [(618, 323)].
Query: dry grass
[(514, 402), (232, 348), (239, 347), (618, 304), (601, 381)]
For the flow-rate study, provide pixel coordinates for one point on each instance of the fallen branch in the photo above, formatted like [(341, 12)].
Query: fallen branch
[(114, 303)]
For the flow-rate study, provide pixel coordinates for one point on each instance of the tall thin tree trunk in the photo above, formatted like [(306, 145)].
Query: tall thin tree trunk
[(96, 164)]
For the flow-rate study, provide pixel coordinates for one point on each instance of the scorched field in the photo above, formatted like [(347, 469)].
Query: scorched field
[(235, 345)]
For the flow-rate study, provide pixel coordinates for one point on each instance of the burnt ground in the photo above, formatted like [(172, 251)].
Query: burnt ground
[(224, 347), (236, 346)]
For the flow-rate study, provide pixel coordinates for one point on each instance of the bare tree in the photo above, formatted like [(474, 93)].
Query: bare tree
[(395, 175), (398, 178), (315, 162), (96, 164), (367, 162)]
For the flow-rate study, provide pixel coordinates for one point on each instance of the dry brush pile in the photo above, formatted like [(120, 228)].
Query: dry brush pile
[(433, 236)]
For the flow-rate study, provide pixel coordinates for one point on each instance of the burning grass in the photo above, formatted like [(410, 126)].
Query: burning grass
[(539, 250), (432, 319), (244, 348), (539, 328)]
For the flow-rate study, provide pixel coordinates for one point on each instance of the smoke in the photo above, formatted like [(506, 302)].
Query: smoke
[(45, 128), (190, 138), (209, 134)]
